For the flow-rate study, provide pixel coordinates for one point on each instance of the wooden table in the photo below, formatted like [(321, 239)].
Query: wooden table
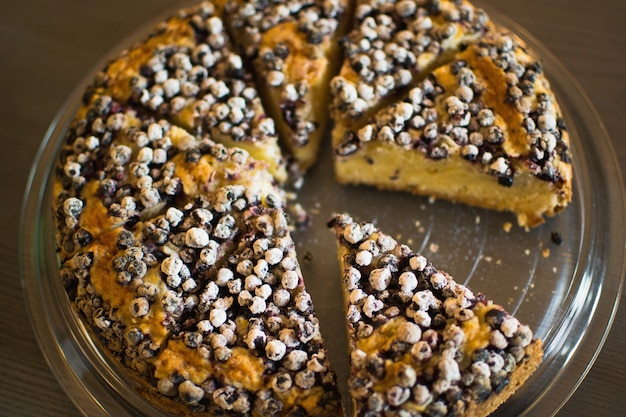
[(46, 46)]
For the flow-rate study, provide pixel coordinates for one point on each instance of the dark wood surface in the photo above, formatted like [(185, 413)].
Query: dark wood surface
[(45, 48)]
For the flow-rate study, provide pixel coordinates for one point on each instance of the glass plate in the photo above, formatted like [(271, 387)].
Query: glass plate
[(567, 292)]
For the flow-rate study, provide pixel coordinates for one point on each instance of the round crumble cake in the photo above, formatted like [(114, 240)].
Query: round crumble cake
[(173, 229)]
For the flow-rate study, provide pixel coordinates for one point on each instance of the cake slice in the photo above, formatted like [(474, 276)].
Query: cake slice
[(187, 71), (248, 341), (293, 47), (391, 46), (118, 167), (267, 353), (421, 343), (484, 129), (206, 306)]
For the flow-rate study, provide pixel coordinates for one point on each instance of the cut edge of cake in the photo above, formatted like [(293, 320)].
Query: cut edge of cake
[(294, 50), (472, 133)]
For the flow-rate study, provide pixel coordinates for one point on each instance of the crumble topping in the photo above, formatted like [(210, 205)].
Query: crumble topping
[(187, 71), (177, 249), (197, 314), (289, 44)]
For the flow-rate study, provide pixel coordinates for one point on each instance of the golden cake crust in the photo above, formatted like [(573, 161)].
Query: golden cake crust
[(188, 71), (393, 45), (519, 376)]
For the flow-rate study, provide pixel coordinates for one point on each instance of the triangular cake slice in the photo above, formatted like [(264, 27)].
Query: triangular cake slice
[(419, 341), (118, 167), (250, 342), (294, 50), (269, 357), (484, 129), (187, 71), (206, 305), (392, 44)]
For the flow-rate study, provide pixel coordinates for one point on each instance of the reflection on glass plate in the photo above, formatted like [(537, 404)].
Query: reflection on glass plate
[(567, 292)]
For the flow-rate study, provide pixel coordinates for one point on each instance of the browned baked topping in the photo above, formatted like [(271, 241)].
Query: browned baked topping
[(209, 302), (484, 129), (173, 241), (317, 20), (118, 168), (294, 49)]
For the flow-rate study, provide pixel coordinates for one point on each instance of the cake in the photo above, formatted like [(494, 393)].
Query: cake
[(187, 70), (392, 45), (421, 343), (484, 129), (119, 167), (294, 50), (171, 201)]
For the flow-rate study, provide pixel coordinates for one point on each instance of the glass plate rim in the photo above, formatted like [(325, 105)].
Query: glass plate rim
[(88, 404)]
